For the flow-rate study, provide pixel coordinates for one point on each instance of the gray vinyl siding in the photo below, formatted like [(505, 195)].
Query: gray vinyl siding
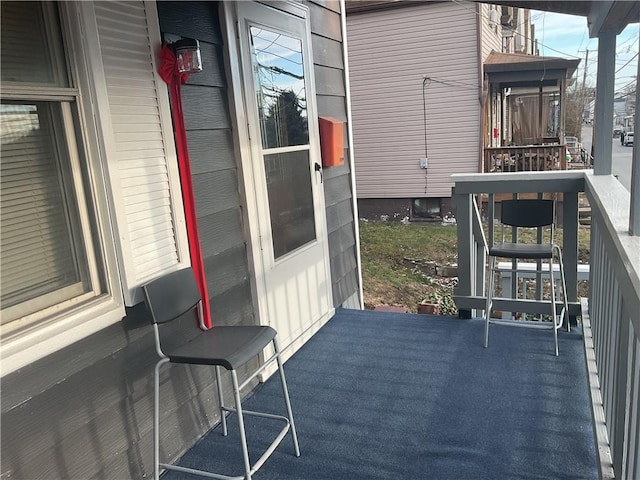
[(491, 39), (326, 41), (390, 53), (86, 411), (213, 164)]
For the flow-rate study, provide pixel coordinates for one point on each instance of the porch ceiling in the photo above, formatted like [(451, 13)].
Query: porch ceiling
[(386, 395), (511, 69)]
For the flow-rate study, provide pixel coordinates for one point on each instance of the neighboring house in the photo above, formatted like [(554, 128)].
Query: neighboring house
[(527, 98), (416, 72), (92, 208), (518, 33), (619, 109)]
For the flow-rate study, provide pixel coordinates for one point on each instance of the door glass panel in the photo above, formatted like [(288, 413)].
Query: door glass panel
[(290, 200), (279, 80)]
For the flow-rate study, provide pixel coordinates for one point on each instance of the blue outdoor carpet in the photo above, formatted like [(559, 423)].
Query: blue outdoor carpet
[(400, 396)]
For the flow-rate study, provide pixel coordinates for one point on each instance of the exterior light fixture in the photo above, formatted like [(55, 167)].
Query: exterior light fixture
[(188, 57)]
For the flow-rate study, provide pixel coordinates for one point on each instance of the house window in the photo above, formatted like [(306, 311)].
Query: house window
[(48, 257), (426, 209)]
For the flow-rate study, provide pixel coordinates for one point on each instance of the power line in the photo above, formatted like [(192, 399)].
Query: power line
[(457, 2), (635, 56)]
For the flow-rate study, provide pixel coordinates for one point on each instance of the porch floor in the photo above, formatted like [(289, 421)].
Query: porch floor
[(379, 395)]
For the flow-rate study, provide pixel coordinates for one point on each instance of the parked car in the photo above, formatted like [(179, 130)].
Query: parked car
[(628, 139), (617, 131)]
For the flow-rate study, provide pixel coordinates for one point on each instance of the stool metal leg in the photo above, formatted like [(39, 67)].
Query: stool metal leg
[(554, 325), (223, 417), (285, 393), (156, 418), (243, 437), (563, 284), (488, 306)]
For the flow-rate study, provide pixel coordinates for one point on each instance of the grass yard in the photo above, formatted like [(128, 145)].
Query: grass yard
[(401, 263)]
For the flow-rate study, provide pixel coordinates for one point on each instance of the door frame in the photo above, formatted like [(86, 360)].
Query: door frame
[(244, 153)]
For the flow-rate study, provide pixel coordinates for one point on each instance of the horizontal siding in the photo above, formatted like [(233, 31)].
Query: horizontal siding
[(86, 410), (214, 167), (96, 421), (221, 236), (332, 106), (390, 53), (202, 143), (326, 42), (323, 21), (329, 81), (491, 37), (327, 52)]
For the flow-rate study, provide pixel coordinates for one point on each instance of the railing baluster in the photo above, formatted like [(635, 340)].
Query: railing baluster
[(529, 158), (633, 426)]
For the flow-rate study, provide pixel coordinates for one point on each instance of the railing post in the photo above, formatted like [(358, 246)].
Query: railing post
[(634, 214), (604, 103), (463, 206), (481, 261), (570, 247)]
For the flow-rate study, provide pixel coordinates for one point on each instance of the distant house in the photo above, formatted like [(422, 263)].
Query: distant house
[(95, 202), (420, 102), (619, 109)]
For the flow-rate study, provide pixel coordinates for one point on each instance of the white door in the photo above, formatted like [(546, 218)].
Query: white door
[(286, 177)]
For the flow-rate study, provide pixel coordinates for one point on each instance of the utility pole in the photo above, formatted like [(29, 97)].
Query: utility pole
[(583, 93), (584, 74)]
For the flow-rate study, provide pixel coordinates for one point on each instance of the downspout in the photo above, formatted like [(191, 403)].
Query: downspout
[(352, 164), (481, 95)]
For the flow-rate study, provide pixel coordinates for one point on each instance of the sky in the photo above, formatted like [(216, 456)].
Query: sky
[(567, 36)]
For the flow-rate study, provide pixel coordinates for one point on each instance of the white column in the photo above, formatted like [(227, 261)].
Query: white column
[(603, 140), (634, 212)]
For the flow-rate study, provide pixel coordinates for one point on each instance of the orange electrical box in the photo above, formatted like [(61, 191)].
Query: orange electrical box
[(331, 141)]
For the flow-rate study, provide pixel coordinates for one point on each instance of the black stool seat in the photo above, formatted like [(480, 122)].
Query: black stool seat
[(522, 250), (172, 297), (229, 347)]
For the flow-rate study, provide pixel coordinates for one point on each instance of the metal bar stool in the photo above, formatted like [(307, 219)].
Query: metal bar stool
[(176, 294), (528, 213)]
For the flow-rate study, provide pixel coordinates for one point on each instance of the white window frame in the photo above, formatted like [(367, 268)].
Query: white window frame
[(45, 308), (79, 319)]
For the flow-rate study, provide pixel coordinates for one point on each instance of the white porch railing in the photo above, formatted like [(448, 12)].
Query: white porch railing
[(612, 326), (614, 314)]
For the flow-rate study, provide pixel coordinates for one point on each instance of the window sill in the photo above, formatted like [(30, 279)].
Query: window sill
[(27, 347)]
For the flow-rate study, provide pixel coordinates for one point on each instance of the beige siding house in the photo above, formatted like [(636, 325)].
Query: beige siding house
[(416, 84)]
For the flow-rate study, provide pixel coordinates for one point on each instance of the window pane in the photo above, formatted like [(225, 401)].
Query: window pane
[(279, 79), (30, 47), (40, 239), (290, 200)]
